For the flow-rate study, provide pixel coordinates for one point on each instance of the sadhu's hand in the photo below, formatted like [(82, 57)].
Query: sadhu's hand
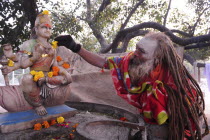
[(68, 41)]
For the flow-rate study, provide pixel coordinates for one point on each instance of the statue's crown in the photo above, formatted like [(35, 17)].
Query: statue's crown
[(43, 17)]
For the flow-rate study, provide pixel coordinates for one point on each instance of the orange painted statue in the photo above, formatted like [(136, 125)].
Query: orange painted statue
[(47, 84)]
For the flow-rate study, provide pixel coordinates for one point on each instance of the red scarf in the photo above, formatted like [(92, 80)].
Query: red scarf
[(150, 96)]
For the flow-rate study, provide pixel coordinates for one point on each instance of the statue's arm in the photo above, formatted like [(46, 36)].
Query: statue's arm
[(26, 61)]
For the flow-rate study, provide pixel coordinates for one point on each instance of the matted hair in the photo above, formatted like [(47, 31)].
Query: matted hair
[(183, 106)]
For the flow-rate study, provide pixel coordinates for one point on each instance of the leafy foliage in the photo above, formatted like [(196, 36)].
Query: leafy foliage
[(13, 24), (95, 24)]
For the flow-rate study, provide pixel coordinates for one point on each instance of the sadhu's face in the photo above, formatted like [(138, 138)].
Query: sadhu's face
[(44, 30), (145, 49)]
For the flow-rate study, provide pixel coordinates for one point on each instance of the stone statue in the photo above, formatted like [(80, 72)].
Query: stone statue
[(47, 84)]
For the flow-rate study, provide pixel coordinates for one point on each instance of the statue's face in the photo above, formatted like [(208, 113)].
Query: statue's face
[(145, 48), (44, 30)]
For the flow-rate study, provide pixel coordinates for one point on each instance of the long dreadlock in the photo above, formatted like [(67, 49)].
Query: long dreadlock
[(184, 107)]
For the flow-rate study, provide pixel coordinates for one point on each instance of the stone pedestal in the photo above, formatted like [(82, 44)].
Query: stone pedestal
[(10, 122)]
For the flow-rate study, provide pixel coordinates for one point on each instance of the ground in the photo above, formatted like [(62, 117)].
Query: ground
[(204, 88)]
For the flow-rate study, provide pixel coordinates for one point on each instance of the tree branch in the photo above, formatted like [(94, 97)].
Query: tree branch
[(88, 17), (199, 45), (181, 33), (182, 42), (91, 22), (189, 58), (104, 4), (128, 38), (198, 20), (131, 13), (166, 15)]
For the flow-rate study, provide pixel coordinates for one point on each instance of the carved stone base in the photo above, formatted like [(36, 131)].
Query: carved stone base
[(10, 122)]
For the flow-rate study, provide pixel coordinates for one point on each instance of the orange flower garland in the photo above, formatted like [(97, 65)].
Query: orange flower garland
[(52, 122), (66, 65), (37, 126), (74, 126), (58, 58), (45, 124), (55, 70), (60, 121)]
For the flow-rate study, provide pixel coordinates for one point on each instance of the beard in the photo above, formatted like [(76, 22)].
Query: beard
[(139, 69)]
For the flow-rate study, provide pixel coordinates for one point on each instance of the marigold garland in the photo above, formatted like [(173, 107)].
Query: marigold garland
[(37, 126), (55, 73), (66, 65), (37, 75), (74, 126), (50, 74), (61, 122), (54, 44), (46, 124), (46, 12), (10, 63), (58, 58), (55, 70), (52, 122), (60, 119)]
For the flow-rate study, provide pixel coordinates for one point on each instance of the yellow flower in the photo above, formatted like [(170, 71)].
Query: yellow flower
[(50, 74), (36, 78), (60, 119), (37, 75), (54, 44), (33, 72), (40, 74), (45, 12), (10, 63)]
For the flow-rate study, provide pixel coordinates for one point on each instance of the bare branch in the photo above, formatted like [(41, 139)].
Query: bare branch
[(88, 17), (181, 33), (128, 38), (166, 15), (98, 35), (154, 25), (189, 58), (91, 22), (182, 42), (198, 20), (199, 45), (104, 4), (131, 13)]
